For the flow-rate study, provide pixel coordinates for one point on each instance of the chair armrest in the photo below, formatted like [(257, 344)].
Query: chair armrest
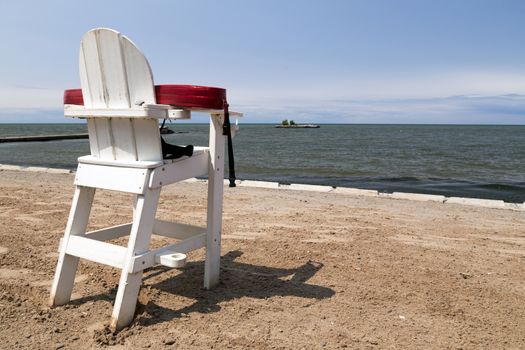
[(145, 111)]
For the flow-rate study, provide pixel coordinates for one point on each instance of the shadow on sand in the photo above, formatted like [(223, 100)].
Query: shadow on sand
[(237, 280)]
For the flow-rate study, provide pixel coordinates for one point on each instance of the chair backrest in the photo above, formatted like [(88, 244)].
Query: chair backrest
[(115, 74)]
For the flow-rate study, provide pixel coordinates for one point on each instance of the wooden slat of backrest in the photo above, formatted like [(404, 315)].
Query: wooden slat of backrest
[(147, 137), (116, 94), (89, 46), (93, 143), (115, 74), (104, 138), (90, 73), (141, 90), (114, 78), (138, 75), (124, 139), (92, 81)]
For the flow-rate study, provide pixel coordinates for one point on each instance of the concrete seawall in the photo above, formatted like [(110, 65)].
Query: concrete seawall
[(477, 202), (43, 138)]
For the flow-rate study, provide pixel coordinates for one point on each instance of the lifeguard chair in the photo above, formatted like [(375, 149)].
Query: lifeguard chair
[(121, 107)]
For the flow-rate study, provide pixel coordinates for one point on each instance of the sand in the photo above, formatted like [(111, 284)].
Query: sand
[(300, 270)]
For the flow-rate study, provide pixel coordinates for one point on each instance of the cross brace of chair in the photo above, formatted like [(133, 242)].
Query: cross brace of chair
[(91, 246)]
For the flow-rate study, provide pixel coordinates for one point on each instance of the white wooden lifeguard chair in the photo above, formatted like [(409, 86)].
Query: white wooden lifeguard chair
[(122, 117)]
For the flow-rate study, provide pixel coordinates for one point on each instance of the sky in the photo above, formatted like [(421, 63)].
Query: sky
[(366, 61)]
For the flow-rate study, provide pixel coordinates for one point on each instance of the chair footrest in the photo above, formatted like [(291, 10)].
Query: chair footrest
[(171, 259)]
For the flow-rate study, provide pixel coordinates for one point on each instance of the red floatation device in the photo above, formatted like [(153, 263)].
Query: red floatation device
[(188, 97)]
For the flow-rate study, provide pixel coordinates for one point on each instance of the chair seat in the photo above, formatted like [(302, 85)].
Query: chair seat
[(143, 164)]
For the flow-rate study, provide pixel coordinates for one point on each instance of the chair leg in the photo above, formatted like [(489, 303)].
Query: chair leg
[(67, 264), (129, 284), (215, 192)]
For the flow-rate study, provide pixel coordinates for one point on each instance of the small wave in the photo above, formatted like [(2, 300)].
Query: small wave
[(398, 179), (503, 187)]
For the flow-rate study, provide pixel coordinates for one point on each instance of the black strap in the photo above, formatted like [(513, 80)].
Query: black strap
[(170, 151), (226, 130)]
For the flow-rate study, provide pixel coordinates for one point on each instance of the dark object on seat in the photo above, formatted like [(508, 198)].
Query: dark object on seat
[(173, 151)]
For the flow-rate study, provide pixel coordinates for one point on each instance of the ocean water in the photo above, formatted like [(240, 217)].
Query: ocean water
[(452, 160)]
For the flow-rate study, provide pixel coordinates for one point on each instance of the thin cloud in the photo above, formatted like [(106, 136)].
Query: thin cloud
[(502, 109), (29, 87)]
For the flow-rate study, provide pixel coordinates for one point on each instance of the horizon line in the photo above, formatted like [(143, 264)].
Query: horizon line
[(277, 123)]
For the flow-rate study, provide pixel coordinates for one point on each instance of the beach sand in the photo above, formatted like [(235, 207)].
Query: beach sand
[(300, 270)]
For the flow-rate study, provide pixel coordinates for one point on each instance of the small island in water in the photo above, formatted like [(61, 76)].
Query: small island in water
[(292, 125)]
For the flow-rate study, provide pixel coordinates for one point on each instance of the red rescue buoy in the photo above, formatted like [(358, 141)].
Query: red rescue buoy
[(185, 96)]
